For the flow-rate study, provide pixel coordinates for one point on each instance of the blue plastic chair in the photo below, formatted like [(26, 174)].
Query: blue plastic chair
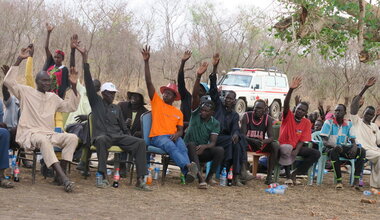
[(322, 160), (146, 124)]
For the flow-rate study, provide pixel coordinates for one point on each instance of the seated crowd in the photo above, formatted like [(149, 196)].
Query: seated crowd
[(205, 129)]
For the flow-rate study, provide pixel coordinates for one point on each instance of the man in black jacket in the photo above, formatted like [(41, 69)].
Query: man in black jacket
[(109, 128)]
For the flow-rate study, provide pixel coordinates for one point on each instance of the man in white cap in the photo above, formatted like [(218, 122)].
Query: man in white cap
[(109, 128)]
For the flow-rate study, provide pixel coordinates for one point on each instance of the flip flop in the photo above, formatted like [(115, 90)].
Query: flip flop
[(289, 182), (339, 186), (6, 184), (203, 185)]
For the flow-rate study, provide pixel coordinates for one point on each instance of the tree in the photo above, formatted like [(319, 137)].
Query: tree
[(331, 24)]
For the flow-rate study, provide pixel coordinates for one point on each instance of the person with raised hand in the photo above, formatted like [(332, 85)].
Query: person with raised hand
[(367, 133), (167, 122), (36, 124), (295, 130)]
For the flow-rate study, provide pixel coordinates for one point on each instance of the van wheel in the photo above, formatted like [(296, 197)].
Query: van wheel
[(275, 109), (240, 106)]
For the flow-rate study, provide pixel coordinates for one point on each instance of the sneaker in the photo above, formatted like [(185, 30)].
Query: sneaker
[(192, 174)]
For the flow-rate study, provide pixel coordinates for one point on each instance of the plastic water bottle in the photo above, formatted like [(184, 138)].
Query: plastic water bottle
[(149, 178), (156, 173), (99, 178), (367, 193), (109, 172), (282, 187), (16, 173), (116, 178), (10, 160), (223, 177), (275, 191), (230, 177)]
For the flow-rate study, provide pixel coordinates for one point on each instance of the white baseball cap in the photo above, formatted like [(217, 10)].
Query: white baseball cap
[(109, 87)]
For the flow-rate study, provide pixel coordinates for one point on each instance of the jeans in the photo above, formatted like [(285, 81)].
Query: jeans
[(176, 150), (4, 147)]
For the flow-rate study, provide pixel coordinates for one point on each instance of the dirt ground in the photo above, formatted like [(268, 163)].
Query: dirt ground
[(175, 201)]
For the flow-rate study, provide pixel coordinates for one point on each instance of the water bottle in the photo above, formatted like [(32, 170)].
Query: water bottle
[(16, 173), (230, 177), (99, 178), (109, 172), (275, 191), (156, 173), (183, 180), (223, 177), (367, 193), (116, 178), (282, 187), (149, 177), (151, 159), (10, 160)]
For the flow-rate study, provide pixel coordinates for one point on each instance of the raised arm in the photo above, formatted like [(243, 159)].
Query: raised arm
[(90, 88), (74, 43), (355, 105), (10, 80), (195, 98), (296, 82), (213, 88), (181, 75), (146, 55), (49, 29), (6, 94)]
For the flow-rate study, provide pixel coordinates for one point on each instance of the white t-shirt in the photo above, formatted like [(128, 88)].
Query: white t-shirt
[(367, 135)]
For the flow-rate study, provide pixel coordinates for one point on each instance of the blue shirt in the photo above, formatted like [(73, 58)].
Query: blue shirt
[(338, 135)]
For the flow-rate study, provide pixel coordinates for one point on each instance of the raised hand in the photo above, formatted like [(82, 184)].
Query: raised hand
[(297, 99), (31, 50), (49, 27), (202, 69), (146, 53), (186, 55), (73, 76), (24, 53), (215, 59), (296, 82), (5, 69), (74, 42), (371, 81)]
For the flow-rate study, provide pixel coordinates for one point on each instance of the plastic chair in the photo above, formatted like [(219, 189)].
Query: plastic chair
[(146, 124), (322, 160), (310, 173), (113, 149)]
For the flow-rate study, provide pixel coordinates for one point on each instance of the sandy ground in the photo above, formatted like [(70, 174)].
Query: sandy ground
[(174, 201)]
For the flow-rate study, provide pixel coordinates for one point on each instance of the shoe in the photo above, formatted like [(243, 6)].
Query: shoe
[(203, 185), (268, 181), (4, 183), (192, 174), (237, 182), (245, 176), (289, 182), (104, 184), (143, 187), (339, 186), (68, 186)]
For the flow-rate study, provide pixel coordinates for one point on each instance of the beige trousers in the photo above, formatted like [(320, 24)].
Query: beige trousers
[(46, 143), (374, 158)]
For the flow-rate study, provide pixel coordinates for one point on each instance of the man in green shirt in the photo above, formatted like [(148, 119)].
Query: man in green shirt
[(202, 133)]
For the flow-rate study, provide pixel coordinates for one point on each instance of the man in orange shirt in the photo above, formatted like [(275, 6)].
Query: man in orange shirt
[(167, 122)]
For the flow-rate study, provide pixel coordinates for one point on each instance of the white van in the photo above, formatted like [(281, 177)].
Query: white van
[(256, 83)]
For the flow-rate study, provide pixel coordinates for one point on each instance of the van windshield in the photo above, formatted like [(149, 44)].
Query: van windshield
[(236, 80)]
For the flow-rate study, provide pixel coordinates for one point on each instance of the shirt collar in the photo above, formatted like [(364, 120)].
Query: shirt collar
[(336, 122)]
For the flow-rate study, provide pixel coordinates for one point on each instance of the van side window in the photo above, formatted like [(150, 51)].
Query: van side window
[(270, 81), (280, 82), (256, 82)]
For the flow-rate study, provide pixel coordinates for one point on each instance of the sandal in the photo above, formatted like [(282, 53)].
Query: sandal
[(68, 186), (203, 185), (143, 187), (4, 183), (339, 186), (289, 182), (212, 183)]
